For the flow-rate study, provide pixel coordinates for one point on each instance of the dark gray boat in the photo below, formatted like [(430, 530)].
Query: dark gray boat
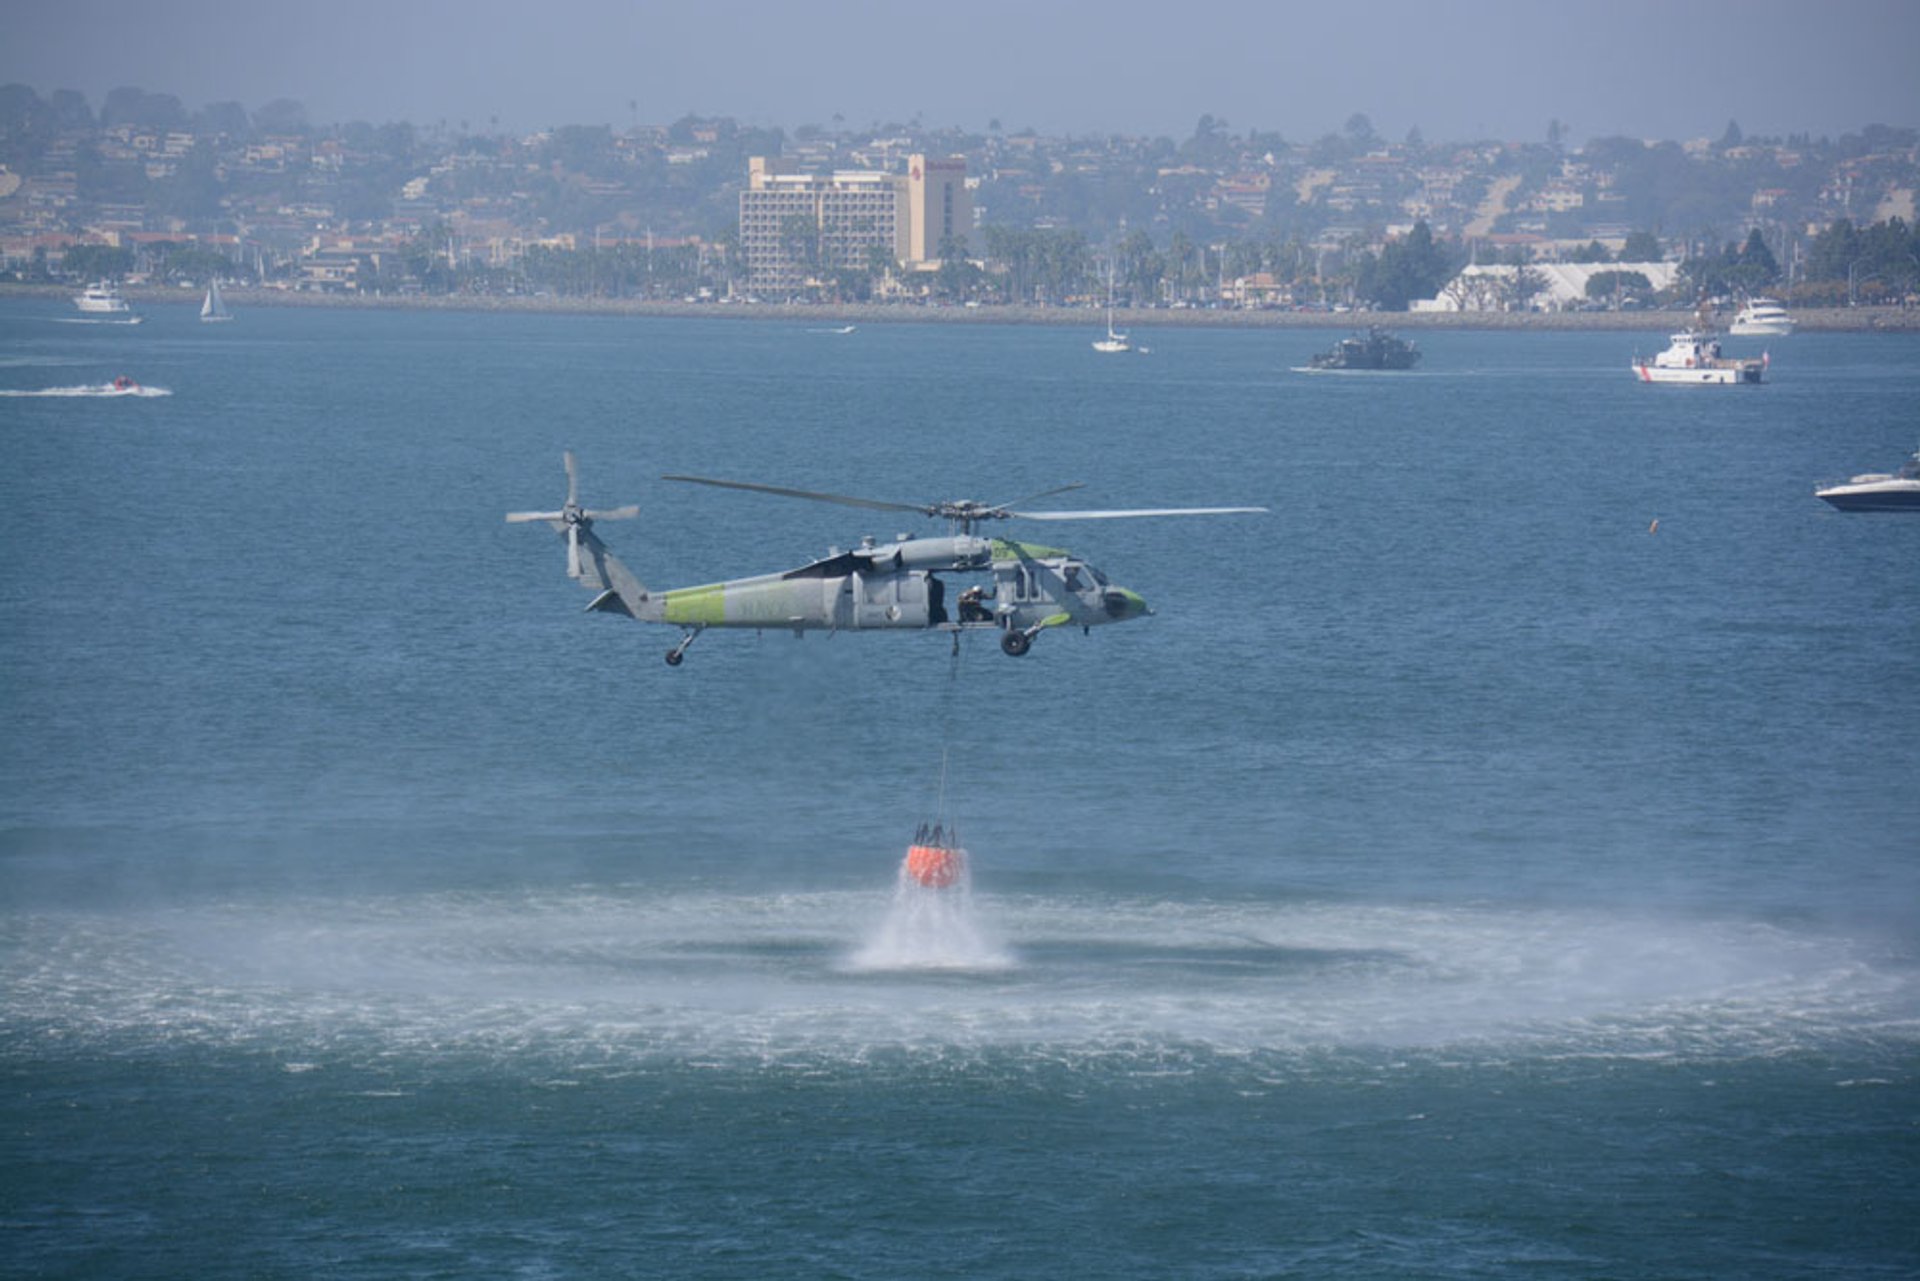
[(1375, 349)]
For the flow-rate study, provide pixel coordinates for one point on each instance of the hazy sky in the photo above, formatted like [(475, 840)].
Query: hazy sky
[(1455, 68)]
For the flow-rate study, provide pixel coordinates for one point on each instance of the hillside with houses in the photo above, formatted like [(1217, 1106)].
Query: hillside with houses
[(146, 188)]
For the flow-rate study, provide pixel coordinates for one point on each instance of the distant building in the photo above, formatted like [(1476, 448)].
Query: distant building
[(1261, 289), (1488, 287), (939, 206), (796, 227)]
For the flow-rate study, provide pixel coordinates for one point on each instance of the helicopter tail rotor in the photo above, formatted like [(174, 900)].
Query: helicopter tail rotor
[(575, 523)]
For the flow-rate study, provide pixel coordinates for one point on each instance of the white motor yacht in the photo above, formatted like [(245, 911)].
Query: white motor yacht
[(1878, 491), (101, 297), (1762, 316)]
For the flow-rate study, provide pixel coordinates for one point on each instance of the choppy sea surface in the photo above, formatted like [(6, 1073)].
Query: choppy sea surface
[(1500, 860)]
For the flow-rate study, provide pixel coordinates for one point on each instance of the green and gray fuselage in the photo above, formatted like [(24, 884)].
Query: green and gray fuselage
[(951, 583)]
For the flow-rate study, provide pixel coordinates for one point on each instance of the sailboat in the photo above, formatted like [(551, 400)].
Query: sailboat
[(1115, 341), (215, 307)]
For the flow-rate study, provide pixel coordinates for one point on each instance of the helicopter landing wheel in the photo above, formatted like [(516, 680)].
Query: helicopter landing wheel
[(1014, 643), (679, 651)]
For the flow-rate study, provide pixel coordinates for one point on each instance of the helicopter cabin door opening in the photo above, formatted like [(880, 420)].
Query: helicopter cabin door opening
[(976, 605)]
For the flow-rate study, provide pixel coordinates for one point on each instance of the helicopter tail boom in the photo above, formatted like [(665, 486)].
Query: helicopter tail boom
[(618, 591)]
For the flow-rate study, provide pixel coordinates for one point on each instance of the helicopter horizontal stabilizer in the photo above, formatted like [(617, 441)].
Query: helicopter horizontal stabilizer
[(608, 602)]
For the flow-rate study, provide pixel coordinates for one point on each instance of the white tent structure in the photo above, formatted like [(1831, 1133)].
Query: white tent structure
[(1563, 285)]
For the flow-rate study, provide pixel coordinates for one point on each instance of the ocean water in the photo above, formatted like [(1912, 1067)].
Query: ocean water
[(1497, 861)]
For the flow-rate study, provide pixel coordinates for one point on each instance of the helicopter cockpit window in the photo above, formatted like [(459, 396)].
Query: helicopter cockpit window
[(1076, 573)]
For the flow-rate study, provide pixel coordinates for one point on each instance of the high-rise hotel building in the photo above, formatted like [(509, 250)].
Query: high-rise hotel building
[(797, 225)]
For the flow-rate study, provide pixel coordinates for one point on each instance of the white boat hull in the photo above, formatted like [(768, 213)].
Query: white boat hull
[(1882, 496), (1746, 371)]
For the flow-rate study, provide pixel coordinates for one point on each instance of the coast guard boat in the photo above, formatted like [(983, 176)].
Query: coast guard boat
[(1878, 491), (1693, 356)]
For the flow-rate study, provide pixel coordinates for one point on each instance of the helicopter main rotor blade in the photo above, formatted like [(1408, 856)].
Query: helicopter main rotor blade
[(618, 513), (518, 518), (844, 500), (1144, 511), (1045, 493), (573, 480)]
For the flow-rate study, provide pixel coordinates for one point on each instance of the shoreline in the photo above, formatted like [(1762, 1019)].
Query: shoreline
[(1879, 319)]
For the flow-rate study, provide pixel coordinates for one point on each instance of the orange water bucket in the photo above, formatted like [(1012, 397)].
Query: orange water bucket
[(934, 866)]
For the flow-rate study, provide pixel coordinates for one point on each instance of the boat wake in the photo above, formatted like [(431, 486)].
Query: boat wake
[(39, 362), (85, 390), (97, 320), (1395, 375)]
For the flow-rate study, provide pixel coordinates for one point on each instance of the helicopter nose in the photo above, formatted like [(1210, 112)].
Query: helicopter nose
[(1123, 604)]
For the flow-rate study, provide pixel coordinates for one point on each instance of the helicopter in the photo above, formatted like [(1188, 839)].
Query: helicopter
[(1019, 589)]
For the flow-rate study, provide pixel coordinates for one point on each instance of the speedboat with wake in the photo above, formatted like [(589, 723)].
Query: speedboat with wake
[(1878, 491)]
